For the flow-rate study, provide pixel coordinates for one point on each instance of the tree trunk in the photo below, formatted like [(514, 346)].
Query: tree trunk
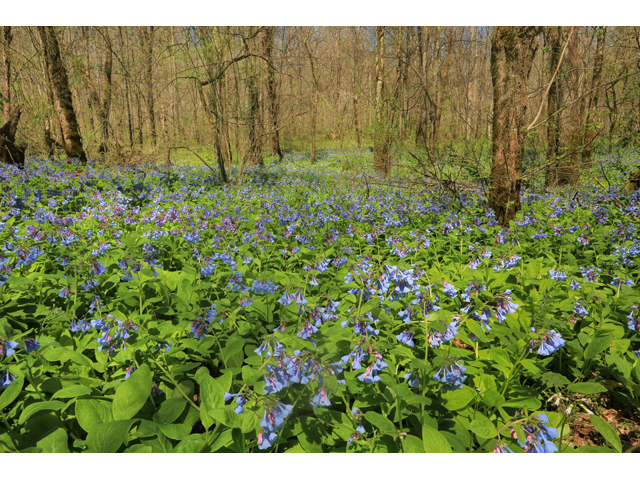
[(148, 47), (6, 84), (512, 52), (381, 150), (72, 140), (106, 95), (590, 133), (272, 104), (314, 100), (254, 152), (569, 168), (553, 42), (10, 153)]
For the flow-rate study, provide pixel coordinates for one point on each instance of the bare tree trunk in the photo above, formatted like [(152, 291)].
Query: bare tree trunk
[(72, 139), (512, 52), (590, 133), (553, 41), (148, 47), (381, 153), (314, 100), (6, 84), (254, 153), (272, 104), (569, 169), (106, 95)]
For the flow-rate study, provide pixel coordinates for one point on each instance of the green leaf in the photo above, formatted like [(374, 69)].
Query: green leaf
[(190, 444), (587, 388), (476, 329), (483, 427), (412, 444), (211, 394), (433, 441), (458, 399), (39, 407), (169, 411), (224, 416), (72, 391), (607, 431), (597, 345), (56, 442), (92, 412), (60, 354), (107, 437), (527, 402), (11, 392), (493, 398), (250, 375), (175, 431), (250, 421), (132, 394), (383, 423)]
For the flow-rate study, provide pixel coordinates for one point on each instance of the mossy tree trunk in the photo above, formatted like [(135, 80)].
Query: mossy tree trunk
[(512, 52)]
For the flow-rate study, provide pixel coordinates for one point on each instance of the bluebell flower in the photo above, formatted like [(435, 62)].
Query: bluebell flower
[(31, 345), (451, 374), (548, 342), (7, 347), (286, 299), (633, 319), (578, 309), (558, 274), (413, 379), (6, 379), (321, 399), (449, 290), (406, 337), (163, 346), (575, 285)]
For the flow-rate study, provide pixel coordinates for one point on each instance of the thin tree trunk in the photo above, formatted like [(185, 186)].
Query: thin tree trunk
[(381, 154), (6, 84), (270, 80), (72, 140), (590, 133), (254, 152), (512, 52), (569, 169), (148, 47), (106, 95), (553, 42)]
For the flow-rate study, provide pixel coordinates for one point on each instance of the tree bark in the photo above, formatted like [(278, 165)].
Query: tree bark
[(148, 48), (553, 41), (569, 168), (106, 95), (254, 153), (512, 52), (10, 153), (381, 150), (270, 80), (72, 140), (6, 84), (590, 133)]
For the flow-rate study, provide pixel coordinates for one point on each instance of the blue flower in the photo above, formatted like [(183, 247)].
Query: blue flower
[(451, 374), (406, 337), (31, 345), (7, 347), (6, 379), (558, 274), (548, 342), (321, 399)]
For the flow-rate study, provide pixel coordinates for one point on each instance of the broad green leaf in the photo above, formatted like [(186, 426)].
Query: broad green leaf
[(92, 412), (175, 431), (433, 441), (34, 408), (476, 329), (169, 411), (107, 437), (60, 354), (383, 423), (56, 442), (458, 399), (10, 393), (483, 427), (132, 394), (607, 431), (587, 388), (72, 391), (412, 444), (190, 444), (211, 394), (597, 345), (250, 421)]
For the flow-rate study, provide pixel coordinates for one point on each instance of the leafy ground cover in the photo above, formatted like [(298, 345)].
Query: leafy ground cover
[(154, 310)]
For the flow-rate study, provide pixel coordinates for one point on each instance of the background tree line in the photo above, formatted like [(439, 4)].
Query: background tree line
[(245, 93)]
